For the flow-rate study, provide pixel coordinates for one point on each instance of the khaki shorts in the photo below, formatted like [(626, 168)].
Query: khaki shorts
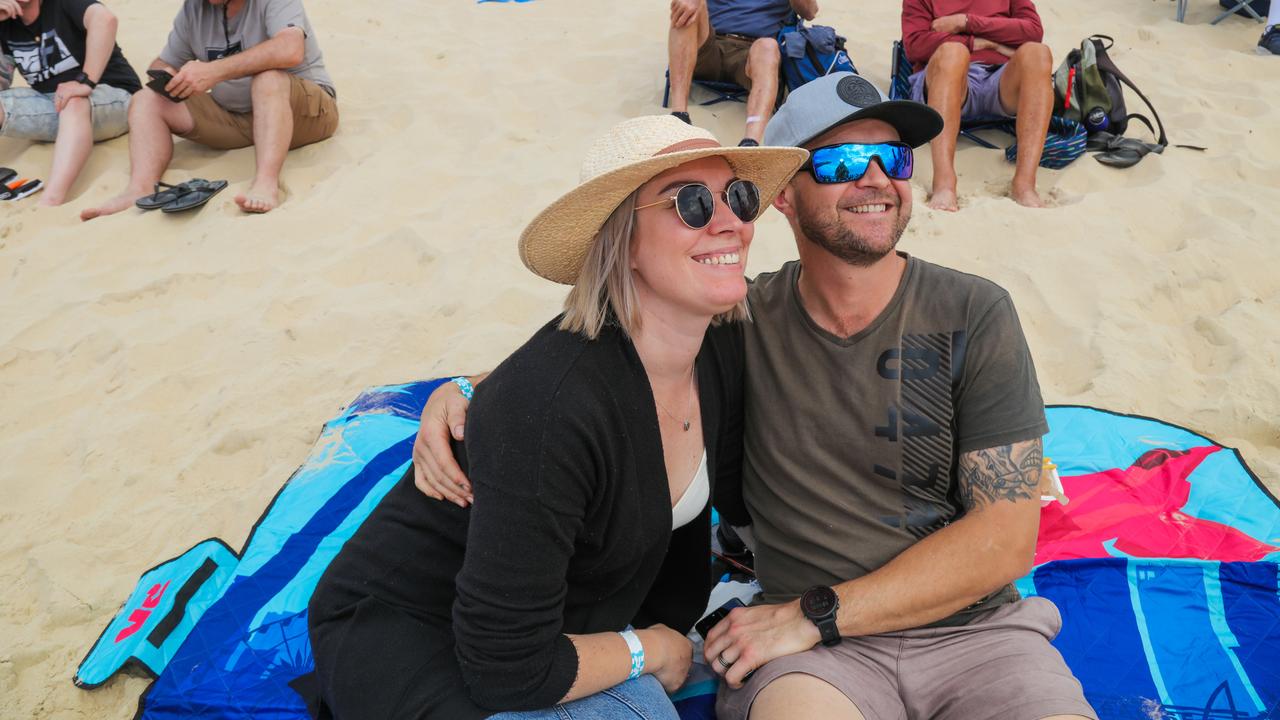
[(723, 58), (999, 666), (315, 118)]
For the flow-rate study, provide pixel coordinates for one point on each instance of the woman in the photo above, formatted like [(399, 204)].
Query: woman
[(590, 468)]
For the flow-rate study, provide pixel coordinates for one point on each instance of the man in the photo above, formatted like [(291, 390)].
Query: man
[(730, 41), (245, 72), (80, 82), (980, 59), (892, 456)]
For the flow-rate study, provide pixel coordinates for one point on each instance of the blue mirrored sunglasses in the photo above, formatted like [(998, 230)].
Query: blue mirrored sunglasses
[(848, 162)]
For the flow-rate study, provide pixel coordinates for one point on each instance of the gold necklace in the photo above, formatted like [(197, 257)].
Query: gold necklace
[(688, 415)]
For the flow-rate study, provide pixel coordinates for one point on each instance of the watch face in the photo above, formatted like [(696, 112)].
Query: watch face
[(818, 601)]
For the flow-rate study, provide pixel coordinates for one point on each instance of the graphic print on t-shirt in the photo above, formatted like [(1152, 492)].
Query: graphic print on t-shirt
[(925, 368), (221, 51), (57, 59)]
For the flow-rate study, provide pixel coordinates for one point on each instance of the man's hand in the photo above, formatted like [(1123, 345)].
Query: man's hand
[(985, 44), (951, 24), (9, 9), (683, 12), (435, 471), (68, 90), (749, 637), (194, 78), (671, 652)]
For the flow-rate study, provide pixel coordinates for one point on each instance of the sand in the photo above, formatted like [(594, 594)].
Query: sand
[(162, 376)]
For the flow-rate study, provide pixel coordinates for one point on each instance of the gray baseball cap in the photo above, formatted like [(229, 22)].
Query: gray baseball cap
[(841, 97)]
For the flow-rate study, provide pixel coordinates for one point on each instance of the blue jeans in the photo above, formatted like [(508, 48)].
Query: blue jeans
[(31, 115), (639, 699)]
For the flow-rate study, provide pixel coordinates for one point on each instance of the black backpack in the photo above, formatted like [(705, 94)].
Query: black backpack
[(1087, 89)]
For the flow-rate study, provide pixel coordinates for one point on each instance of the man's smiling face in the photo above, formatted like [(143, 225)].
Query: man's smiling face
[(858, 221)]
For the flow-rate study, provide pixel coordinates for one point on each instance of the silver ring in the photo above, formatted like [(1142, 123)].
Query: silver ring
[(723, 664)]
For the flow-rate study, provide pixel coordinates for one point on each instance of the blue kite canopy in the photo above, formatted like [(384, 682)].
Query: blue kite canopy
[(1176, 636)]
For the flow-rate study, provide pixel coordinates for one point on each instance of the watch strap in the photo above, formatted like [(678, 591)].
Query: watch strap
[(829, 630), (83, 78)]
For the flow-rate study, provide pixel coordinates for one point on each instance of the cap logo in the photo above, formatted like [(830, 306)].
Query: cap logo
[(857, 92)]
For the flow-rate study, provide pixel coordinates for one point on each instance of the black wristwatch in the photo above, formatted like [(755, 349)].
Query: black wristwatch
[(84, 79), (820, 603)]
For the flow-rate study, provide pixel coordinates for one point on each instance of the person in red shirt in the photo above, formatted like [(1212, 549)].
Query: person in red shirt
[(980, 59)]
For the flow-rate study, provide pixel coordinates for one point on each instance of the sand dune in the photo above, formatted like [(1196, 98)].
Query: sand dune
[(162, 376)]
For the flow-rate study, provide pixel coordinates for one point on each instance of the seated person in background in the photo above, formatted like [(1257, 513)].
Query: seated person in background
[(1270, 40), (976, 59), (80, 82), (602, 440), (244, 74), (730, 41)]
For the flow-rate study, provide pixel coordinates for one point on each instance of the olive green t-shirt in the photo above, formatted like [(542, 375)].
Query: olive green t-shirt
[(852, 443)]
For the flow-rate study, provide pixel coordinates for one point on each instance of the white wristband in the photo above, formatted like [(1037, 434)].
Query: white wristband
[(637, 653)]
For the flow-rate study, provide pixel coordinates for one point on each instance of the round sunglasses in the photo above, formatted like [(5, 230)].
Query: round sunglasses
[(848, 162), (695, 203)]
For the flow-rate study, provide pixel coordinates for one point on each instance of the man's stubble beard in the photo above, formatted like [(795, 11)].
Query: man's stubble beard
[(837, 239)]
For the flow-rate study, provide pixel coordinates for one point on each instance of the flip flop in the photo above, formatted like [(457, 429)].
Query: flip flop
[(6, 174), (160, 198), (1126, 152), (199, 193), (20, 188), (1099, 141)]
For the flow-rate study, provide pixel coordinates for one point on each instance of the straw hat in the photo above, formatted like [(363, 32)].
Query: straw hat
[(555, 243)]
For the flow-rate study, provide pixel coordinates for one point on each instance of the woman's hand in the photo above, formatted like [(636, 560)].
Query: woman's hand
[(667, 655), (435, 471)]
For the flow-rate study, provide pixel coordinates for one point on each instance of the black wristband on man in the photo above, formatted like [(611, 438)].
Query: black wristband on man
[(83, 79)]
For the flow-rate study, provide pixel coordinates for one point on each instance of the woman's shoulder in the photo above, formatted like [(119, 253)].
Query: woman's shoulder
[(556, 367)]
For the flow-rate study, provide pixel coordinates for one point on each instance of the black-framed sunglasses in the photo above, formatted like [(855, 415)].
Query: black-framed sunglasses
[(695, 203), (848, 162)]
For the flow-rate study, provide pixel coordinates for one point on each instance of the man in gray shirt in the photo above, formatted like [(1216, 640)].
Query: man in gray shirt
[(243, 72)]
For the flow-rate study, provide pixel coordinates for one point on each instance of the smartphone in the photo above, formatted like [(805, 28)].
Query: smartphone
[(704, 625), (160, 78)]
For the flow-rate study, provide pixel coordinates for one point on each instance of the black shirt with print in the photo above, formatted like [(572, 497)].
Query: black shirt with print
[(51, 50)]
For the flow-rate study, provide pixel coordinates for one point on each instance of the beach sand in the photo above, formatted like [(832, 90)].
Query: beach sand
[(162, 376)]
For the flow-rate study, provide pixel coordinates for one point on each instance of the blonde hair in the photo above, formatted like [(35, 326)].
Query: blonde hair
[(605, 282)]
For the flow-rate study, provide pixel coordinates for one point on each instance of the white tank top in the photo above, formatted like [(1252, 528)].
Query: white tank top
[(694, 498)]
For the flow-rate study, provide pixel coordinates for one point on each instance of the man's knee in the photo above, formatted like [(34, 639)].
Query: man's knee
[(798, 694), (950, 59), (146, 103), (1034, 57), (764, 54), (271, 82), (76, 107)]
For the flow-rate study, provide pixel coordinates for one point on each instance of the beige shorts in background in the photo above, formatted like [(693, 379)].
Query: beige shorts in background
[(315, 118), (999, 666)]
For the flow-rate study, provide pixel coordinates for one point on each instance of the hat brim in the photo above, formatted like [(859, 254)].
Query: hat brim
[(555, 242), (915, 122)]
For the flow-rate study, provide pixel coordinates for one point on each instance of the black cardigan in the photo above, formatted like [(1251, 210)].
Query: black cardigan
[(570, 531)]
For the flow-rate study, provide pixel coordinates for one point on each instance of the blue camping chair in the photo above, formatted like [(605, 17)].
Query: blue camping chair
[(1064, 143)]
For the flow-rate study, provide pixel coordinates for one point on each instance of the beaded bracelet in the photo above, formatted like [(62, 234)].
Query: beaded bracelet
[(464, 385), (637, 653)]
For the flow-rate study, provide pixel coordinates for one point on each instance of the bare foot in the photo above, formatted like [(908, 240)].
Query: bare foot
[(259, 200), (47, 200), (1027, 198), (944, 200), (123, 201)]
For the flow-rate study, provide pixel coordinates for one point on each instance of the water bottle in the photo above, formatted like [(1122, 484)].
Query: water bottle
[(1096, 120)]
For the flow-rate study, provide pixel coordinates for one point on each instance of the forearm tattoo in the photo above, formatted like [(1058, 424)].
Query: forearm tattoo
[(1008, 472)]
